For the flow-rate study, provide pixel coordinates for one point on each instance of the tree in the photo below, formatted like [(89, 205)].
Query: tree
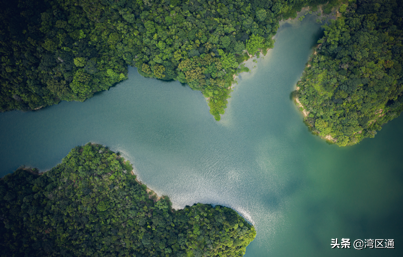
[(254, 43), (225, 41), (159, 71), (239, 47), (349, 87), (80, 84), (79, 61), (261, 14), (92, 192)]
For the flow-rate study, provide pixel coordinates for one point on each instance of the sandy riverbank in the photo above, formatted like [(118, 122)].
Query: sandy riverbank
[(299, 104), (305, 113)]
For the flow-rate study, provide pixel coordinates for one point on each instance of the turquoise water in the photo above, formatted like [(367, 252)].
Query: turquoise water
[(260, 159)]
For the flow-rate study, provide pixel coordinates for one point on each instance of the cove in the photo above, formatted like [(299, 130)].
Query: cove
[(260, 159)]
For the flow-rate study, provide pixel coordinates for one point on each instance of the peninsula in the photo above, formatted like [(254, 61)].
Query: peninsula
[(91, 205), (54, 50), (69, 50), (353, 82)]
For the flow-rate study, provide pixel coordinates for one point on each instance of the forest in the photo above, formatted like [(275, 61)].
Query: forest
[(67, 50), (70, 49), (92, 205), (353, 83)]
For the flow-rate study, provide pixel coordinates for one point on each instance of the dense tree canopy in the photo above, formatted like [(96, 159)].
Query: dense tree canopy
[(54, 50), (91, 205), (353, 83)]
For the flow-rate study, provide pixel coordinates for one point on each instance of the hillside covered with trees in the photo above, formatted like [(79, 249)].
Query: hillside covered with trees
[(353, 83), (91, 205), (53, 50)]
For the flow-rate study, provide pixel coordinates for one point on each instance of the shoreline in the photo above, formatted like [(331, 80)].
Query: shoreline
[(251, 58), (303, 11), (151, 193), (304, 112), (235, 76)]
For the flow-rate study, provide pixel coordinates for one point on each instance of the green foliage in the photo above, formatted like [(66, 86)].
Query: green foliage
[(90, 205), (159, 71), (261, 14), (354, 81), (239, 47), (228, 61), (68, 50), (102, 206), (331, 5), (79, 61), (343, 8), (255, 43)]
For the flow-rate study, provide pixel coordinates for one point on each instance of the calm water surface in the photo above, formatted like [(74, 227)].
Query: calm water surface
[(260, 159)]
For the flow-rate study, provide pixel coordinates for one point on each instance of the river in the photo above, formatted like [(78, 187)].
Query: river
[(260, 159)]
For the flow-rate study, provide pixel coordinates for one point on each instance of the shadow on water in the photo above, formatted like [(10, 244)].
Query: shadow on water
[(272, 201), (293, 186), (284, 26), (318, 35)]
